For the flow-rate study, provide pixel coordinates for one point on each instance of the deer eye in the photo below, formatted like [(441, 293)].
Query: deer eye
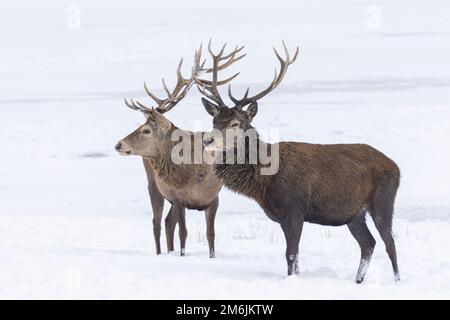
[(146, 131)]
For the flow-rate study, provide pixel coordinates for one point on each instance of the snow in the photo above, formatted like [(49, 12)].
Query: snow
[(75, 218)]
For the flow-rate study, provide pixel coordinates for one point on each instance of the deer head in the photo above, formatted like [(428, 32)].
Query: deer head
[(152, 137), (241, 114), (148, 139)]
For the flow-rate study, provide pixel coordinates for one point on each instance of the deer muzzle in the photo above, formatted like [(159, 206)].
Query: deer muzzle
[(121, 149)]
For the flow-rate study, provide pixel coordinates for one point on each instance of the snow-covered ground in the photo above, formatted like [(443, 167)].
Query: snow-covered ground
[(75, 219)]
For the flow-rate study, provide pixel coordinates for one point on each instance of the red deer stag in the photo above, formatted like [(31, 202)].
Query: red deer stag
[(334, 184), (192, 186)]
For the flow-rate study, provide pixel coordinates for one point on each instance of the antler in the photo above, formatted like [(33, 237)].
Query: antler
[(209, 87), (179, 92), (284, 64)]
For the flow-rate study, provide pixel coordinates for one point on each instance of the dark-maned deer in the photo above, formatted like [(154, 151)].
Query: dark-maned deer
[(323, 184), (192, 186)]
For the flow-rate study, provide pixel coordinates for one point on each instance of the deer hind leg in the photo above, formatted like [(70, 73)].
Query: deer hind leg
[(157, 201), (170, 222), (210, 216), (361, 233), (381, 210)]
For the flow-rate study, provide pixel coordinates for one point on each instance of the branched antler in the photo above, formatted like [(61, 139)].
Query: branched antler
[(209, 87), (284, 64), (176, 95)]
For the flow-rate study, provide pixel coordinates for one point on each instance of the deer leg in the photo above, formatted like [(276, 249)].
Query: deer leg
[(361, 233), (384, 227), (170, 222), (210, 216), (157, 202), (382, 210), (292, 227), (388, 239), (182, 230)]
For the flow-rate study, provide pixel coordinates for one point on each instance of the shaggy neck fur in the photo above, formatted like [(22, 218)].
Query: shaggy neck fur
[(244, 178)]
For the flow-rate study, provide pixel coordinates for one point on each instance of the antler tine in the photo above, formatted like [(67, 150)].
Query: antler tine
[(236, 101), (202, 88), (197, 58), (278, 77), (286, 51), (291, 61), (157, 100), (233, 53), (179, 75), (295, 55), (219, 55), (136, 105), (181, 81), (209, 47), (222, 82), (140, 105), (221, 52), (130, 105), (278, 55), (169, 94), (219, 82), (198, 67), (226, 64)]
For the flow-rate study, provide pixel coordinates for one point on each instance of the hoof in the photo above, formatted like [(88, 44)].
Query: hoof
[(182, 253), (359, 279)]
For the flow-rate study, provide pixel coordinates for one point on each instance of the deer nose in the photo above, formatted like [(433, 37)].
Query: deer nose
[(118, 146), (207, 141)]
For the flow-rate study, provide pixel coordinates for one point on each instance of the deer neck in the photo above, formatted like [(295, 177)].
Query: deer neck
[(163, 166), (243, 175)]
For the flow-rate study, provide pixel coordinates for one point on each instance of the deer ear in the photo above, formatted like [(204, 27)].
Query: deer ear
[(210, 107), (161, 122), (146, 114), (252, 110), (150, 116)]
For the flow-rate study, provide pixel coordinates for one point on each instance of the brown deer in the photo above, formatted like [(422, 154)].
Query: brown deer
[(192, 186), (333, 184)]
